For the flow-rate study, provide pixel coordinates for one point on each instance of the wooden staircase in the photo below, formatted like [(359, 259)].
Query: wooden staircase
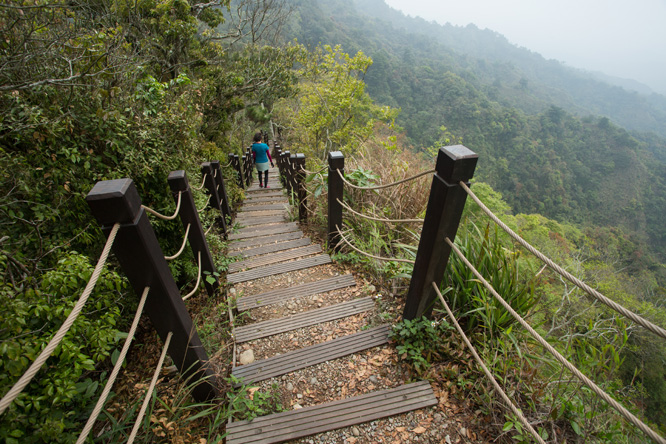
[(279, 267)]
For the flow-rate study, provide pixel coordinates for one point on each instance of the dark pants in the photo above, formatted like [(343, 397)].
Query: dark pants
[(265, 177)]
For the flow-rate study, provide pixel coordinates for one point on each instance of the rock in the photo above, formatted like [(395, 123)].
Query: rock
[(447, 438), (437, 417), (232, 291), (290, 387), (373, 379), (463, 431), (171, 370), (290, 306), (356, 431), (371, 289), (297, 406), (247, 357), (313, 381), (299, 396)]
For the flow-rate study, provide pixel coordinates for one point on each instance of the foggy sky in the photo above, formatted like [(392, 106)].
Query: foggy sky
[(622, 38)]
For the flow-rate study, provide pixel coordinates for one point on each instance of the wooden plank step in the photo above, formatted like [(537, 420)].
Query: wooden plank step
[(275, 258), (300, 320), (297, 291), (281, 427), (264, 193), (265, 240), (312, 355), (253, 214), (255, 232), (264, 199), (261, 220), (264, 207), (272, 248), (272, 186), (285, 267)]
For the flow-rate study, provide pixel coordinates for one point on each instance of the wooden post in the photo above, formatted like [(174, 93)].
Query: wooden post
[(142, 259), (235, 162), (336, 161), (214, 201), (300, 186), (445, 206), (221, 190), (190, 216), (285, 169), (293, 185)]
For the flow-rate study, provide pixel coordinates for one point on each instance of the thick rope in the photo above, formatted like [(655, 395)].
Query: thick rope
[(315, 172), (205, 206), (379, 187), (209, 228), (516, 411), (345, 206), (196, 286), (16, 390), (569, 366), (114, 373), (203, 182), (592, 292), (395, 259), (150, 390), (161, 216), (182, 247)]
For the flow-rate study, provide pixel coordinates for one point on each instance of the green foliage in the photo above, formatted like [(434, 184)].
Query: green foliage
[(48, 409), (246, 403), (420, 342)]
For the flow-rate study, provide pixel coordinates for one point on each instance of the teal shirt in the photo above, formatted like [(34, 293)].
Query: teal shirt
[(260, 151)]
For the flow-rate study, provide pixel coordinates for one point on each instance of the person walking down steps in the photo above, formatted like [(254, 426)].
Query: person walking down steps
[(262, 156)]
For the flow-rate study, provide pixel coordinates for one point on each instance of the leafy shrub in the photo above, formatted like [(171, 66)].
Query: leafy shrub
[(420, 342)]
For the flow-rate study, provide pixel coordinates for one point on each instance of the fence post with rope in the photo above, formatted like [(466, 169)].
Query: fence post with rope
[(214, 199), (189, 216), (142, 260), (284, 161), (221, 189), (302, 192), (336, 161), (445, 206), (235, 164)]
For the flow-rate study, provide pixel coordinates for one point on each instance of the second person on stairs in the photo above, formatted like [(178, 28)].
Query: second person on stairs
[(262, 157)]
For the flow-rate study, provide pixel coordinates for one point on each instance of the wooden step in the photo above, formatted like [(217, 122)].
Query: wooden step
[(312, 355), (264, 231), (270, 270), (298, 291), (280, 427), (260, 198), (265, 240), (264, 193), (274, 258), (272, 186), (264, 207), (272, 248), (261, 220), (300, 320), (240, 217)]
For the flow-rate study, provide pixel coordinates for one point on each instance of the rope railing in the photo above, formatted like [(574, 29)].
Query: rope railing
[(206, 205), (387, 259), (163, 217), (516, 411), (182, 247), (16, 390), (314, 172), (568, 365), (379, 187), (364, 216), (203, 183), (149, 392), (196, 286), (589, 290), (209, 228), (116, 369)]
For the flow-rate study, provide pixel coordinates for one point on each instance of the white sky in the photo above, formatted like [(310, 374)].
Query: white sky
[(623, 38)]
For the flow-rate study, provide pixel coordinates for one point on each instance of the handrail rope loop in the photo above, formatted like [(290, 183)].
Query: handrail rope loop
[(377, 218), (24, 380), (516, 411), (378, 187), (161, 216), (368, 254), (589, 290), (227, 165), (150, 390), (209, 228), (182, 247), (215, 173), (116, 369), (196, 286), (203, 182), (314, 172), (204, 207), (569, 366)]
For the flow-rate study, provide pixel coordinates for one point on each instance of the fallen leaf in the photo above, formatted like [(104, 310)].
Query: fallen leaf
[(419, 430)]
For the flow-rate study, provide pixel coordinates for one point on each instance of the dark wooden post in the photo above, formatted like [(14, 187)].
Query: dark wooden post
[(285, 169), (293, 185), (221, 190), (235, 162), (211, 188), (190, 216), (142, 259), (244, 163), (300, 186), (336, 161), (445, 206)]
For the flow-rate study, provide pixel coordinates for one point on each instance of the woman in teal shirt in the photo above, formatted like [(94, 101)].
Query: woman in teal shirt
[(261, 155)]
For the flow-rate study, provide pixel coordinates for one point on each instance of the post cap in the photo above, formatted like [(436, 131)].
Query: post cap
[(112, 201), (178, 181), (456, 163)]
